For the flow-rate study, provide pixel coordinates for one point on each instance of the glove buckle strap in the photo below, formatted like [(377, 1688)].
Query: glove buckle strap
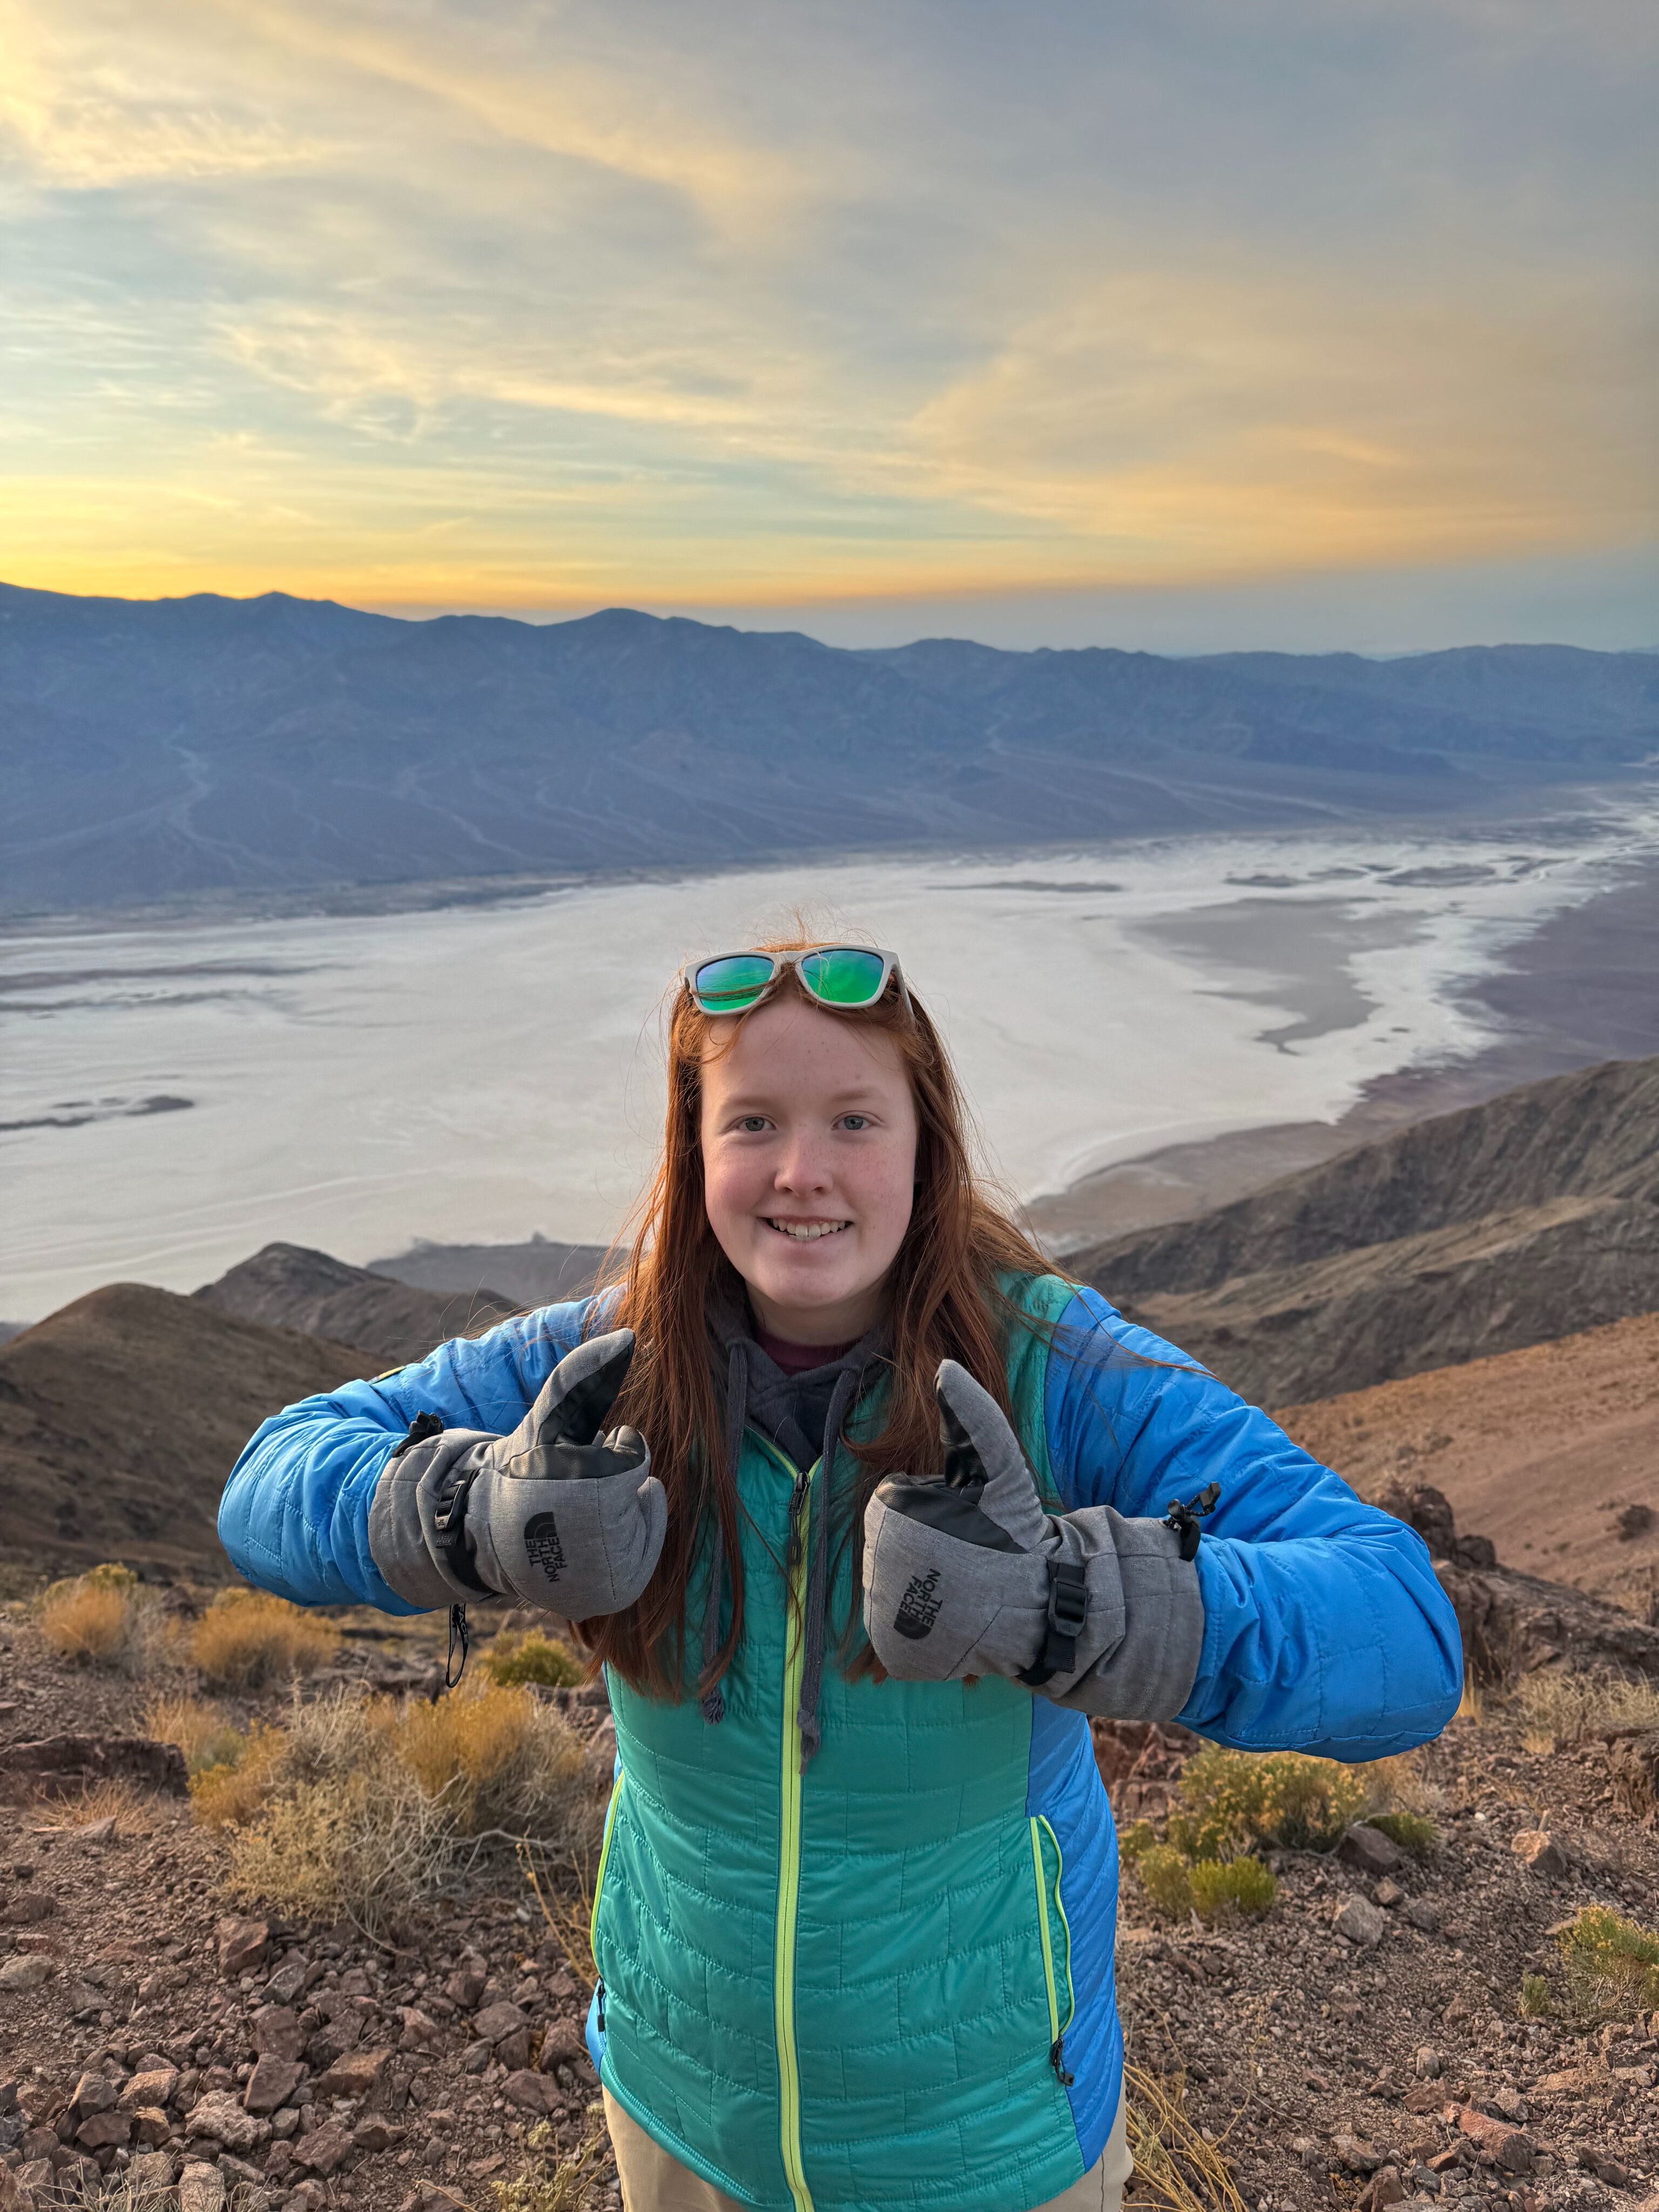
[(1068, 1609)]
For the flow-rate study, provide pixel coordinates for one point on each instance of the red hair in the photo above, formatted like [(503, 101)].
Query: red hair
[(942, 1302)]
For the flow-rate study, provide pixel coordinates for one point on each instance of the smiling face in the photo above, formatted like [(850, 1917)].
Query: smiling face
[(809, 1152)]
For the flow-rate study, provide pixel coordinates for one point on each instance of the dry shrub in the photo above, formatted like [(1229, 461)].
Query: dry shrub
[(202, 1730), (1235, 1801), (512, 1660), (568, 1913), (367, 1808), (1611, 1964), (1177, 2169), (1561, 1710), (1163, 1872), (231, 1792), (502, 1760), (566, 2186), (104, 1618), (1241, 1889), (247, 1637)]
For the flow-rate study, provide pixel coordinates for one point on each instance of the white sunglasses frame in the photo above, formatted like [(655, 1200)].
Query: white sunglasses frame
[(890, 972)]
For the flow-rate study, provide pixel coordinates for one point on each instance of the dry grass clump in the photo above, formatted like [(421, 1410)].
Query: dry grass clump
[(564, 2187), (1611, 1964), (247, 1637), (201, 1729), (512, 1660), (1216, 1889), (104, 1618), (1561, 1710), (232, 1790), (1177, 2168), (1234, 1801), (362, 1806)]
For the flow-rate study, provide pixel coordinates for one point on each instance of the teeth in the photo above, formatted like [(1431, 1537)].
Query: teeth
[(807, 1232)]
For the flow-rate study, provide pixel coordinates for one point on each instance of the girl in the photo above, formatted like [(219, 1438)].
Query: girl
[(891, 1509)]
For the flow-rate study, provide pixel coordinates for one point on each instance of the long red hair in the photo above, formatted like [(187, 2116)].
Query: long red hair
[(942, 1302)]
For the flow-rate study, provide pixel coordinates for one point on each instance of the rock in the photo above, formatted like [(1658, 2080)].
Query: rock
[(91, 1832), (59, 1761), (420, 2032), (1423, 1913), (26, 1908), (465, 1985), (475, 2058), (14, 2198), (277, 2033), (1428, 2063), (287, 1983), (532, 2092), (1369, 1850), (151, 2125), (375, 2134), (150, 2173), (94, 2092), (1539, 1851), (1387, 2189), (561, 2044), (1361, 1921), (324, 2148), (1609, 2171), (219, 2115), (498, 2020), (28, 1971), (154, 2086), (1422, 2096), (1389, 1893), (1633, 1775), (242, 1944), (279, 2161), (201, 2189), (104, 2131), (513, 2052), (271, 2083), (354, 2074), (1506, 2146), (1359, 2157), (34, 2174)]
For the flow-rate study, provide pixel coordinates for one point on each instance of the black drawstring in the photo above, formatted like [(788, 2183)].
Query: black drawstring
[(1184, 1519), (811, 1681), (458, 1634), (736, 1414)]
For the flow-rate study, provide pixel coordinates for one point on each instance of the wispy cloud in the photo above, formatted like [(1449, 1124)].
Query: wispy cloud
[(542, 302)]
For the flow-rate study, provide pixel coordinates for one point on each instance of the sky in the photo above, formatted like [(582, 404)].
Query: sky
[(1185, 323)]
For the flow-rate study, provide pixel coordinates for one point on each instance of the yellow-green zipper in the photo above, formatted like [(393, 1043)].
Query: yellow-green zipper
[(1058, 2029), (604, 1854), (783, 1964)]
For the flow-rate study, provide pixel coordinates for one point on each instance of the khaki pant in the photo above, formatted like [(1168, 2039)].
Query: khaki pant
[(651, 2181)]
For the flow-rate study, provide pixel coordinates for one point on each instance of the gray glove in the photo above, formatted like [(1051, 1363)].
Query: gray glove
[(556, 1515), (969, 1575)]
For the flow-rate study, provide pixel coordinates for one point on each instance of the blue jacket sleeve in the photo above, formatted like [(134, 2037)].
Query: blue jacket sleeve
[(294, 1514), (1325, 1628)]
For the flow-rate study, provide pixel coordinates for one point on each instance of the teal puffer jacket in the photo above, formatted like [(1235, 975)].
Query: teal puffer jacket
[(886, 1981)]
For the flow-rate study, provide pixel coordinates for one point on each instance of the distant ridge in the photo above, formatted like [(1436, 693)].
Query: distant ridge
[(1531, 1216), (151, 749), (291, 1286)]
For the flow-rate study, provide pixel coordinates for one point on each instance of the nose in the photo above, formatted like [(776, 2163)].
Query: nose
[(803, 1170)]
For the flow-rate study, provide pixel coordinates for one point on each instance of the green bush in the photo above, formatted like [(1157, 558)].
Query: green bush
[(1612, 1963), (1162, 1873), (513, 1661), (1138, 1837), (1412, 1832), (1241, 1887), (1237, 1801), (1534, 1999)]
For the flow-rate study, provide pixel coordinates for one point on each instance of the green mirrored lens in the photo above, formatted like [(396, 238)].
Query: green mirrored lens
[(843, 975), (729, 985)]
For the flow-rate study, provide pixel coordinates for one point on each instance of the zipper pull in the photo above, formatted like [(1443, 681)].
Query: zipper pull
[(1057, 2060), (797, 1499), (599, 2017)]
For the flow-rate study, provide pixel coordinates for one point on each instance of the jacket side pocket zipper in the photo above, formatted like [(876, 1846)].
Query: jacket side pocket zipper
[(598, 1892), (1058, 2029)]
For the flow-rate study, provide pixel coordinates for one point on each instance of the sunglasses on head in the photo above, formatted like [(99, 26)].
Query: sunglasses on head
[(835, 976)]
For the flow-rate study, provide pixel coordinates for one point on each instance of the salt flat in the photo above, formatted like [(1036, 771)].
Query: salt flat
[(171, 1096)]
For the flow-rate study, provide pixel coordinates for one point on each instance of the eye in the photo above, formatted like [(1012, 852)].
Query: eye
[(855, 1121), (753, 1125)]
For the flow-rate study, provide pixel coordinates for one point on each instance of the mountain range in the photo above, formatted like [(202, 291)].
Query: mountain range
[(151, 749)]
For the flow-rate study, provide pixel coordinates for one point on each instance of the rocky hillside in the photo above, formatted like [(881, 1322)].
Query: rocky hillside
[(121, 1415), (1525, 1218), (1552, 1453), (290, 1286)]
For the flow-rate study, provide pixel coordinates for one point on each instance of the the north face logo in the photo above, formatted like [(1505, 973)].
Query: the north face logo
[(541, 1541), (918, 1606)]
